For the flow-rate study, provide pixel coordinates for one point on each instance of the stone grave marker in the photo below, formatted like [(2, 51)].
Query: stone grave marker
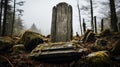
[(61, 28)]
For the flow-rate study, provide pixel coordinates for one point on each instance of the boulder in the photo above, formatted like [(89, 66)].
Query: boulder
[(98, 59), (31, 40), (95, 59), (5, 44), (116, 48), (89, 36), (100, 44), (16, 39), (85, 35), (106, 32), (17, 49)]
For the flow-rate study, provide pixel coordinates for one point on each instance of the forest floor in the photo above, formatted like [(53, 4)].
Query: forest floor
[(17, 56)]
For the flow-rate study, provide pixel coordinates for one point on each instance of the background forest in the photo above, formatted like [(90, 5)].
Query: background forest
[(96, 45)]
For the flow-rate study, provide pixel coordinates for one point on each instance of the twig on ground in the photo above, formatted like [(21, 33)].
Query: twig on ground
[(7, 60)]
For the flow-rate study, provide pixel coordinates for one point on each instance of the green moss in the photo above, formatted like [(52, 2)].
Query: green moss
[(41, 48), (85, 35), (31, 40), (37, 51), (100, 44), (6, 43), (106, 32), (98, 48), (18, 49), (95, 59), (98, 58), (90, 37)]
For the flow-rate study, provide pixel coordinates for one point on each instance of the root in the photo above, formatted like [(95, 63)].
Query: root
[(7, 60)]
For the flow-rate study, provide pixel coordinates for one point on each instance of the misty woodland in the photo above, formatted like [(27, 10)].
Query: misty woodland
[(97, 46)]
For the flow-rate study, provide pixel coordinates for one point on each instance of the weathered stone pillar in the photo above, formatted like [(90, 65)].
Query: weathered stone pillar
[(61, 29)]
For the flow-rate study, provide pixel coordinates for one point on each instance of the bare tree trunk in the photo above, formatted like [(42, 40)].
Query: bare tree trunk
[(119, 26), (79, 16), (13, 17), (1, 8), (114, 19), (84, 25), (5, 18), (91, 5), (102, 25), (95, 22)]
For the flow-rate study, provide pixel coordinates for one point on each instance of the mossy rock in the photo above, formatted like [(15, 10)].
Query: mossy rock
[(106, 32), (95, 59), (116, 48), (17, 49), (97, 48), (16, 39), (31, 40), (85, 35), (56, 51), (90, 37), (6, 44), (37, 51), (81, 63), (100, 44), (98, 59)]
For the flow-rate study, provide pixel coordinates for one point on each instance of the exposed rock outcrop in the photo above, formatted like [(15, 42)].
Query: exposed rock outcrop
[(31, 40)]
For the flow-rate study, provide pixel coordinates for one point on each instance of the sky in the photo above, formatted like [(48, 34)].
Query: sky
[(39, 12)]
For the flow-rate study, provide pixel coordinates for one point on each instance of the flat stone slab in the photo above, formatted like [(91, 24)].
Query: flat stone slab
[(66, 53), (59, 56)]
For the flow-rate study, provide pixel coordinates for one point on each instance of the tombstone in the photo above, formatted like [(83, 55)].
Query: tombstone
[(61, 29)]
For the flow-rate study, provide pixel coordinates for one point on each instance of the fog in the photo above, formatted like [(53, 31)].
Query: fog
[(40, 13)]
